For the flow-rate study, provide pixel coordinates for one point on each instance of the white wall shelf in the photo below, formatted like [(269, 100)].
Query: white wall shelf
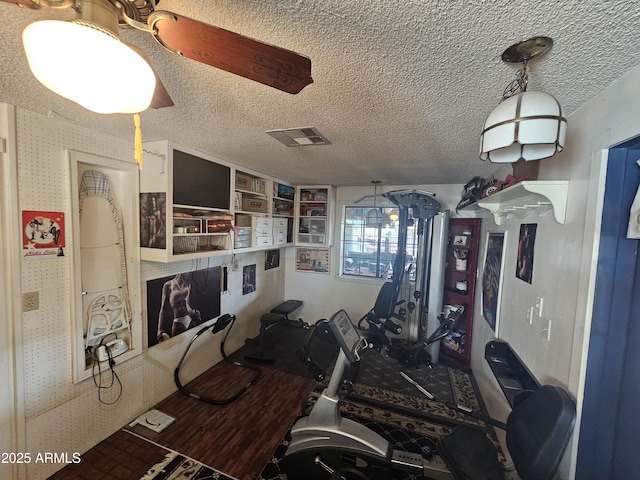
[(524, 198)]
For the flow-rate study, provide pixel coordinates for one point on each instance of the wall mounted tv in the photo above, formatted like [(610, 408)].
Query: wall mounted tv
[(200, 183)]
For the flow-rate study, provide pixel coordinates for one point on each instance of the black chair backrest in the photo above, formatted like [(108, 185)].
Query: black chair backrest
[(538, 430), (386, 301)]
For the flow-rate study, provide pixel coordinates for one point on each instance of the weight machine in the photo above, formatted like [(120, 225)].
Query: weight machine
[(421, 310)]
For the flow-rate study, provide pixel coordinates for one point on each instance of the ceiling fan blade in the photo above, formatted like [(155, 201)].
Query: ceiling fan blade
[(25, 3), (273, 66)]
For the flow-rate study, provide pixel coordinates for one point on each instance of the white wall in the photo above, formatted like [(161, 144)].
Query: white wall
[(565, 256), (60, 416)]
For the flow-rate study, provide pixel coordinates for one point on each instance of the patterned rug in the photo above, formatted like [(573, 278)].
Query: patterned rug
[(178, 467), (379, 382), (401, 414)]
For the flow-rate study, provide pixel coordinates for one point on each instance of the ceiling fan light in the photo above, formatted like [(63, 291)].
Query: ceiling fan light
[(89, 66), (529, 125)]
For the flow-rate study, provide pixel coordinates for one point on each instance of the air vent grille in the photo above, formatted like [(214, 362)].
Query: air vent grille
[(299, 137)]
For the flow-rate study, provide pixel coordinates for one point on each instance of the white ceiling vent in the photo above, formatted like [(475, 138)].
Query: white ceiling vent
[(299, 137)]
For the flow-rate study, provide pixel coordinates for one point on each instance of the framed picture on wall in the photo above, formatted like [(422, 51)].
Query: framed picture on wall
[(312, 260), (271, 259), (179, 302), (526, 242), (492, 278)]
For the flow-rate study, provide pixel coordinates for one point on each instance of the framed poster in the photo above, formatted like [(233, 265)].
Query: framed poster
[(492, 278), (526, 242), (179, 302), (153, 232), (42, 233), (312, 260), (271, 259), (248, 279)]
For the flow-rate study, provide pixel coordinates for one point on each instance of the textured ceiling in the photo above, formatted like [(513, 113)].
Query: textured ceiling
[(401, 88)]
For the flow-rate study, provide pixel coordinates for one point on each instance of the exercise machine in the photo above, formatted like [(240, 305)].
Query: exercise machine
[(423, 295), (262, 351), (324, 445), (222, 322), (415, 354)]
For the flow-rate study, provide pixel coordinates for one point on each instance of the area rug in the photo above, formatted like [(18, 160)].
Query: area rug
[(178, 467), (405, 432), (379, 382)]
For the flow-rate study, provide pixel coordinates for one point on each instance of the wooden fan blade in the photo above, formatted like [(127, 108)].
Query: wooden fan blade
[(273, 66), (25, 3)]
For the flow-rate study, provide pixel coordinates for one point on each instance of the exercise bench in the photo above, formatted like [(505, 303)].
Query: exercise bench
[(278, 314)]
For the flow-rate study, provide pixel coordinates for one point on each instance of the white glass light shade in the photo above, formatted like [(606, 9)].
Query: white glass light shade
[(374, 218), (529, 125), (89, 67)]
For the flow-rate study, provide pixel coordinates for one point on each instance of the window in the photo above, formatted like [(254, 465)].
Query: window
[(370, 250)]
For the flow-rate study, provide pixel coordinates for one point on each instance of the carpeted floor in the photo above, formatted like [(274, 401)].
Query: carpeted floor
[(382, 399)]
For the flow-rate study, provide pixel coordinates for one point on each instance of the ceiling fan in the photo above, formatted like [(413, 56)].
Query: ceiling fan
[(261, 62)]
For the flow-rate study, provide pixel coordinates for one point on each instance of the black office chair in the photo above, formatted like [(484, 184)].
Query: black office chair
[(538, 430)]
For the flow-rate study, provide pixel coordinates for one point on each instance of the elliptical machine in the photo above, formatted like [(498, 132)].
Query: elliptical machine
[(325, 445)]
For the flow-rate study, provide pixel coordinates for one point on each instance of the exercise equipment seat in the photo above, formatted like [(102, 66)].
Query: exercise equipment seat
[(286, 308), (278, 314), (538, 430), (379, 319)]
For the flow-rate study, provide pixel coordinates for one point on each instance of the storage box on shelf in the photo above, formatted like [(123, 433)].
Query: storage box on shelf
[(258, 230), (251, 193), (460, 284), (185, 199), (315, 207)]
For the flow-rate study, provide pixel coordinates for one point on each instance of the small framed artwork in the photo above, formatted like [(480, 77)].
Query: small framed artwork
[(526, 242), (248, 279), (460, 240), (42, 234), (492, 278), (271, 259), (312, 260)]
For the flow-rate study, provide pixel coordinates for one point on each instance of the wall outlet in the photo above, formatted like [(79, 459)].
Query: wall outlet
[(30, 301)]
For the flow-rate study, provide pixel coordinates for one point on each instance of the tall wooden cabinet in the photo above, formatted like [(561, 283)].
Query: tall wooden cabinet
[(460, 284)]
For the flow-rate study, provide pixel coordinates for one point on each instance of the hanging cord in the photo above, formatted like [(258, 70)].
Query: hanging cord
[(220, 324), (97, 379), (137, 141)]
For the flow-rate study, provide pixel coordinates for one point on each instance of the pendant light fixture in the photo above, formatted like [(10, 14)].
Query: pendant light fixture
[(374, 215), (86, 62), (525, 125)]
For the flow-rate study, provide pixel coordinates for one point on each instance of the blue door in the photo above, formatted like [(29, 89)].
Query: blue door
[(609, 442)]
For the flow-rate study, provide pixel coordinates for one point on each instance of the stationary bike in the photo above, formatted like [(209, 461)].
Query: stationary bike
[(325, 446)]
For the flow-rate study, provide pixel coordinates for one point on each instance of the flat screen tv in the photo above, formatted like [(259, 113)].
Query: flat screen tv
[(200, 183)]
